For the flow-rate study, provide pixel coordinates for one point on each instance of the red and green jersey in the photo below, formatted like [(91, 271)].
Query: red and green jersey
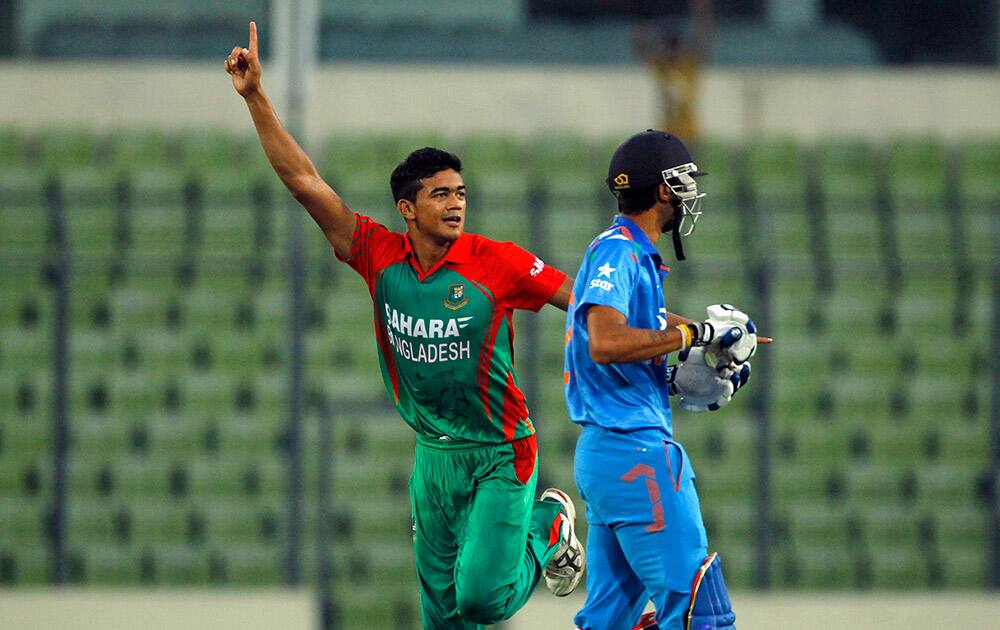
[(446, 337)]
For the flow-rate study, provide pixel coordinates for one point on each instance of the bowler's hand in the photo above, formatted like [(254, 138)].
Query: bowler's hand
[(243, 66)]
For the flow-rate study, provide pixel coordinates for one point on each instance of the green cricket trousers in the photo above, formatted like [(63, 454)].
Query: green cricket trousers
[(480, 540)]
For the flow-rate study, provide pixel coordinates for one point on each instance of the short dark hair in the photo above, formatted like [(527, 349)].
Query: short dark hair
[(638, 200), (420, 164)]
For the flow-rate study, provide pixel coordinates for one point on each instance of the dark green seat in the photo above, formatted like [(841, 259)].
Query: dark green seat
[(948, 483), (25, 233), (180, 437), (400, 144), (979, 186), (557, 156), (727, 481), (825, 566), (848, 173), (158, 188), (25, 386), (359, 166), (793, 301), (824, 444), (720, 159), (899, 566), (89, 186), (876, 483), (93, 232), (917, 169), (964, 528), (23, 187), (499, 207), (718, 232), (110, 564), (238, 476), (923, 233), (94, 441), (25, 565), (180, 565), (235, 524), (254, 564), (204, 149), (232, 189), (578, 210), (316, 246), (965, 569), (12, 146), (68, 147), (979, 171), (854, 236), (130, 147), (795, 482), (492, 153), (22, 520), (777, 172), (158, 232), (812, 524), (26, 474)]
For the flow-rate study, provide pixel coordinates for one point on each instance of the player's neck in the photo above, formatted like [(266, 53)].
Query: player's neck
[(427, 250), (650, 222)]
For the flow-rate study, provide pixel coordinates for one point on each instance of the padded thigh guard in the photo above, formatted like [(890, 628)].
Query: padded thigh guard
[(710, 606)]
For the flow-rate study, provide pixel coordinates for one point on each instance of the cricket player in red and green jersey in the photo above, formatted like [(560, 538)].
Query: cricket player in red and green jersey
[(444, 302)]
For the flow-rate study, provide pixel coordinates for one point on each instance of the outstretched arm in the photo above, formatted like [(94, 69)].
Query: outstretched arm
[(290, 162)]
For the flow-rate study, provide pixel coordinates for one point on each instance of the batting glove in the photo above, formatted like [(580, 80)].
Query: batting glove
[(735, 333), (703, 386)]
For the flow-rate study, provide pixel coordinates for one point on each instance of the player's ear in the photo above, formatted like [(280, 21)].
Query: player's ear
[(406, 208), (664, 194)]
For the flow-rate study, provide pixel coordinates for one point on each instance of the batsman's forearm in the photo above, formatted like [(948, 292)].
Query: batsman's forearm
[(287, 158), (676, 320), (625, 344)]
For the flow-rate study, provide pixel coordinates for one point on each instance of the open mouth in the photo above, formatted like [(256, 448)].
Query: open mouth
[(454, 221)]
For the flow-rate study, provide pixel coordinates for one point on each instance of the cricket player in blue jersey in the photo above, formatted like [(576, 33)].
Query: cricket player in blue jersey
[(646, 540)]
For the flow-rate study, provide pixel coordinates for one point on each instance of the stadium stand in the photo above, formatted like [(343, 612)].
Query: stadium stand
[(177, 468)]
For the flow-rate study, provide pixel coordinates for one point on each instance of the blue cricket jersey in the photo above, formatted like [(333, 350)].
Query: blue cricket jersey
[(623, 270)]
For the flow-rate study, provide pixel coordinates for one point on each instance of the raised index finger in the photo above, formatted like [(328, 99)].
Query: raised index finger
[(253, 38)]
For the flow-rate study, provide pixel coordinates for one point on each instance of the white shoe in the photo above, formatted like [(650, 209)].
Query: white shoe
[(566, 567)]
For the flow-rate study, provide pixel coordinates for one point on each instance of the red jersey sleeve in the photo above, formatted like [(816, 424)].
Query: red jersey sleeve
[(524, 280), (372, 246)]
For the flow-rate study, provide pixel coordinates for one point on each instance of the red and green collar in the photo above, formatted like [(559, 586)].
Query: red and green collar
[(458, 252)]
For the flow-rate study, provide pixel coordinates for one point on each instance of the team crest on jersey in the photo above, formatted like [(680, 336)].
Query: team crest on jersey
[(456, 297)]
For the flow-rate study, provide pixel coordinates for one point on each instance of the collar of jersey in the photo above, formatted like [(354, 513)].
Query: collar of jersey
[(637, 236), (459, 252)]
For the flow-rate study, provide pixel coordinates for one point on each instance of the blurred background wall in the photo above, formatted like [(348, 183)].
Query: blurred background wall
[(522, 101), (159, 430)]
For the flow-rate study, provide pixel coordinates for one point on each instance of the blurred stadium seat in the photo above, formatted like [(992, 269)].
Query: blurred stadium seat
[(178, 338)]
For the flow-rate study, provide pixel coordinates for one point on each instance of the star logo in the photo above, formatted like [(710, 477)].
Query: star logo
[(605, 271)]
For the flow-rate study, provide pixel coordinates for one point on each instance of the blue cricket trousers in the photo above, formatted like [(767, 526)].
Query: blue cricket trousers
[(646, 539)]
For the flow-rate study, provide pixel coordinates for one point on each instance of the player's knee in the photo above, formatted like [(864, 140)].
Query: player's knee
[(479, 605)]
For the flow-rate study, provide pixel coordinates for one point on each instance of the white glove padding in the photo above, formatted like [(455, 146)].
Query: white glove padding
[(734, 334), (701, 386)]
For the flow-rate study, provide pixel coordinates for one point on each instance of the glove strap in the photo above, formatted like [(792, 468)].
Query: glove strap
[(701, 333)]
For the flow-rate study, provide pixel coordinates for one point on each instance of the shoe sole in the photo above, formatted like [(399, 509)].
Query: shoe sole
[(567, 503)]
